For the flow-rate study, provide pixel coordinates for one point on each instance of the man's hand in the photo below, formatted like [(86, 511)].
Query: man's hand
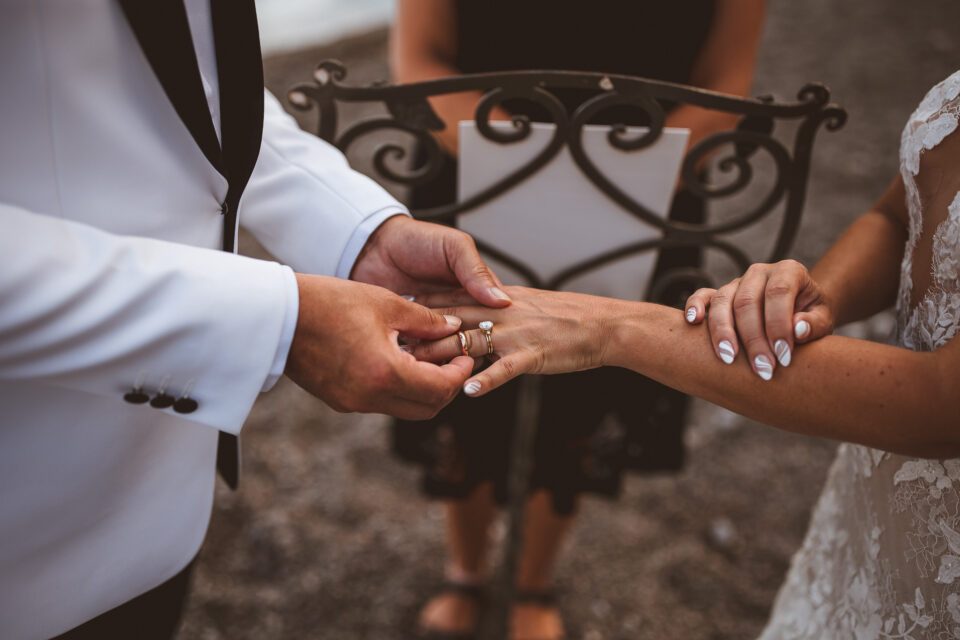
[(772, 307), (345, 350), (411, 257)]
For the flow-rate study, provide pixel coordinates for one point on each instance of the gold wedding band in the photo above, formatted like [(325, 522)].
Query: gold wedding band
[(487, 327), (464, 343)]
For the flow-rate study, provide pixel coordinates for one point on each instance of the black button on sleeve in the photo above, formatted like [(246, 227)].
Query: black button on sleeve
[(136, 396), (161, 401), (185, 405)]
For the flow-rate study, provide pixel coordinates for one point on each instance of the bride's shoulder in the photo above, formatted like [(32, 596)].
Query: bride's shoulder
[(942, 94), (936, 117)]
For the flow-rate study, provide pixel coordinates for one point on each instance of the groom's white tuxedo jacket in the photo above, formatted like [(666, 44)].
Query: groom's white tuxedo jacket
[(110, 279)]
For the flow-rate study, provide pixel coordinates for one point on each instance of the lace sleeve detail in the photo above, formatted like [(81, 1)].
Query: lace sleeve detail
[(881, 560), (935, 119), (932, 320)]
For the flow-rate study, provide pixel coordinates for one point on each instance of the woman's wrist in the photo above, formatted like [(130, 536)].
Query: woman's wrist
[(830, 298), (623, 328)]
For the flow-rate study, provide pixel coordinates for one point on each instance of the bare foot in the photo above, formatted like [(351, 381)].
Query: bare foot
[(535, 622), (450, 612)]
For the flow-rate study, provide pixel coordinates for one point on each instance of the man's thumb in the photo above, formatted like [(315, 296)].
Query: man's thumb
[(475, 276), (416, 321)]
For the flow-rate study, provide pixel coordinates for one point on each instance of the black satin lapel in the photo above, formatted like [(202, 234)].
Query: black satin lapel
[(240, 75), (163, 31)]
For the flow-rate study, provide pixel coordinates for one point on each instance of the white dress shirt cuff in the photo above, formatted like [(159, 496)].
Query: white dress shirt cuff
[(361, 234), (292, 292)]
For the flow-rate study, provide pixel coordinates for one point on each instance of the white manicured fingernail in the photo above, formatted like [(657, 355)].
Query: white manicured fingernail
[(782, 350), (763, 367), (409, 298), (406, 347), (499, 293), (472, 388), (691, 314), (727, 354), (453, 321), (802, 329)]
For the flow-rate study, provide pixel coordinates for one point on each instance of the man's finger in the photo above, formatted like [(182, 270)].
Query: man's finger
[(697, 305), (500, 372), (472, 272), (748, 304), (471, 316), (416, 321), (448, 298), (431, 384), (723, 335), (408, 409), (448, 348)]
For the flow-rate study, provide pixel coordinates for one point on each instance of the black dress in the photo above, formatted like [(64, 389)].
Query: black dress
[(596, 424)]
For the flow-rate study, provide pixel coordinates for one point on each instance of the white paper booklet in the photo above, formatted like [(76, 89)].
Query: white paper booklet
[(557, 217)]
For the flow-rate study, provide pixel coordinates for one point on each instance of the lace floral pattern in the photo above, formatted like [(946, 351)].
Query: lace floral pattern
[(934, 321), (882, 556)]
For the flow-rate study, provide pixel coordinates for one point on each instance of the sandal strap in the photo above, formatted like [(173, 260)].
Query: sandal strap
[(446, 635), (543, 597), (472, 591)]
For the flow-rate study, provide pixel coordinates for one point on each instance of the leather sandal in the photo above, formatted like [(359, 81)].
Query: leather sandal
[(473, 592), (546, 598)]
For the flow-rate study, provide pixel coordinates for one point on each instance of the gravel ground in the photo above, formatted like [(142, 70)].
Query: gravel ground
[(328, 537)]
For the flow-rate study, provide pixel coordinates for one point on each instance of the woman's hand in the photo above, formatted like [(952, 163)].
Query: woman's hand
[(771, 308), (541, 332)]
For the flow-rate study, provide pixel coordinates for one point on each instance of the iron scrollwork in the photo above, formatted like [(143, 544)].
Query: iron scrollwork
[(409, 111), (732, 153)]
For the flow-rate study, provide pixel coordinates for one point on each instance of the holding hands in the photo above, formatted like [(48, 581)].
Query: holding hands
[(541, 332), (345, 349), (769, 310)]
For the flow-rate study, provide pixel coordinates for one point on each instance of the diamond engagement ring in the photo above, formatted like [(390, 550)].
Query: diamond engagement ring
[(487, 327)]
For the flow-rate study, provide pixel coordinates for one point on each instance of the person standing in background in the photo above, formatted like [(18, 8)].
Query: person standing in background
[(593, 427)]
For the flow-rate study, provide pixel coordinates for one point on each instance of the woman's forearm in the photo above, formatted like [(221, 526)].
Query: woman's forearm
[(839, 388), (702, 123), (860, 272), (725, 64), (452, 108), (423, 46)]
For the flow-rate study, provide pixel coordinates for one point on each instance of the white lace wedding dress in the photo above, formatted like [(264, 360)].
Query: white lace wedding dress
[(882, 556)]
